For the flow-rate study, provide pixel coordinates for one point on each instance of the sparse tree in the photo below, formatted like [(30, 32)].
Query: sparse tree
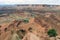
[(52, 33)]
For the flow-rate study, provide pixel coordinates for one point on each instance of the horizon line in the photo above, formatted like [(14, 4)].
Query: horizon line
[(30, 4)]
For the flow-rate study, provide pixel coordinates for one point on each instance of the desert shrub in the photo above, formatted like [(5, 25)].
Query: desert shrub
[(52, 33), (33, 15), (26, 20)]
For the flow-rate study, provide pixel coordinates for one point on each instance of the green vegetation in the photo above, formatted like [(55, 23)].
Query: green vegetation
[(52, 33), (26, 20), (33, 15)]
